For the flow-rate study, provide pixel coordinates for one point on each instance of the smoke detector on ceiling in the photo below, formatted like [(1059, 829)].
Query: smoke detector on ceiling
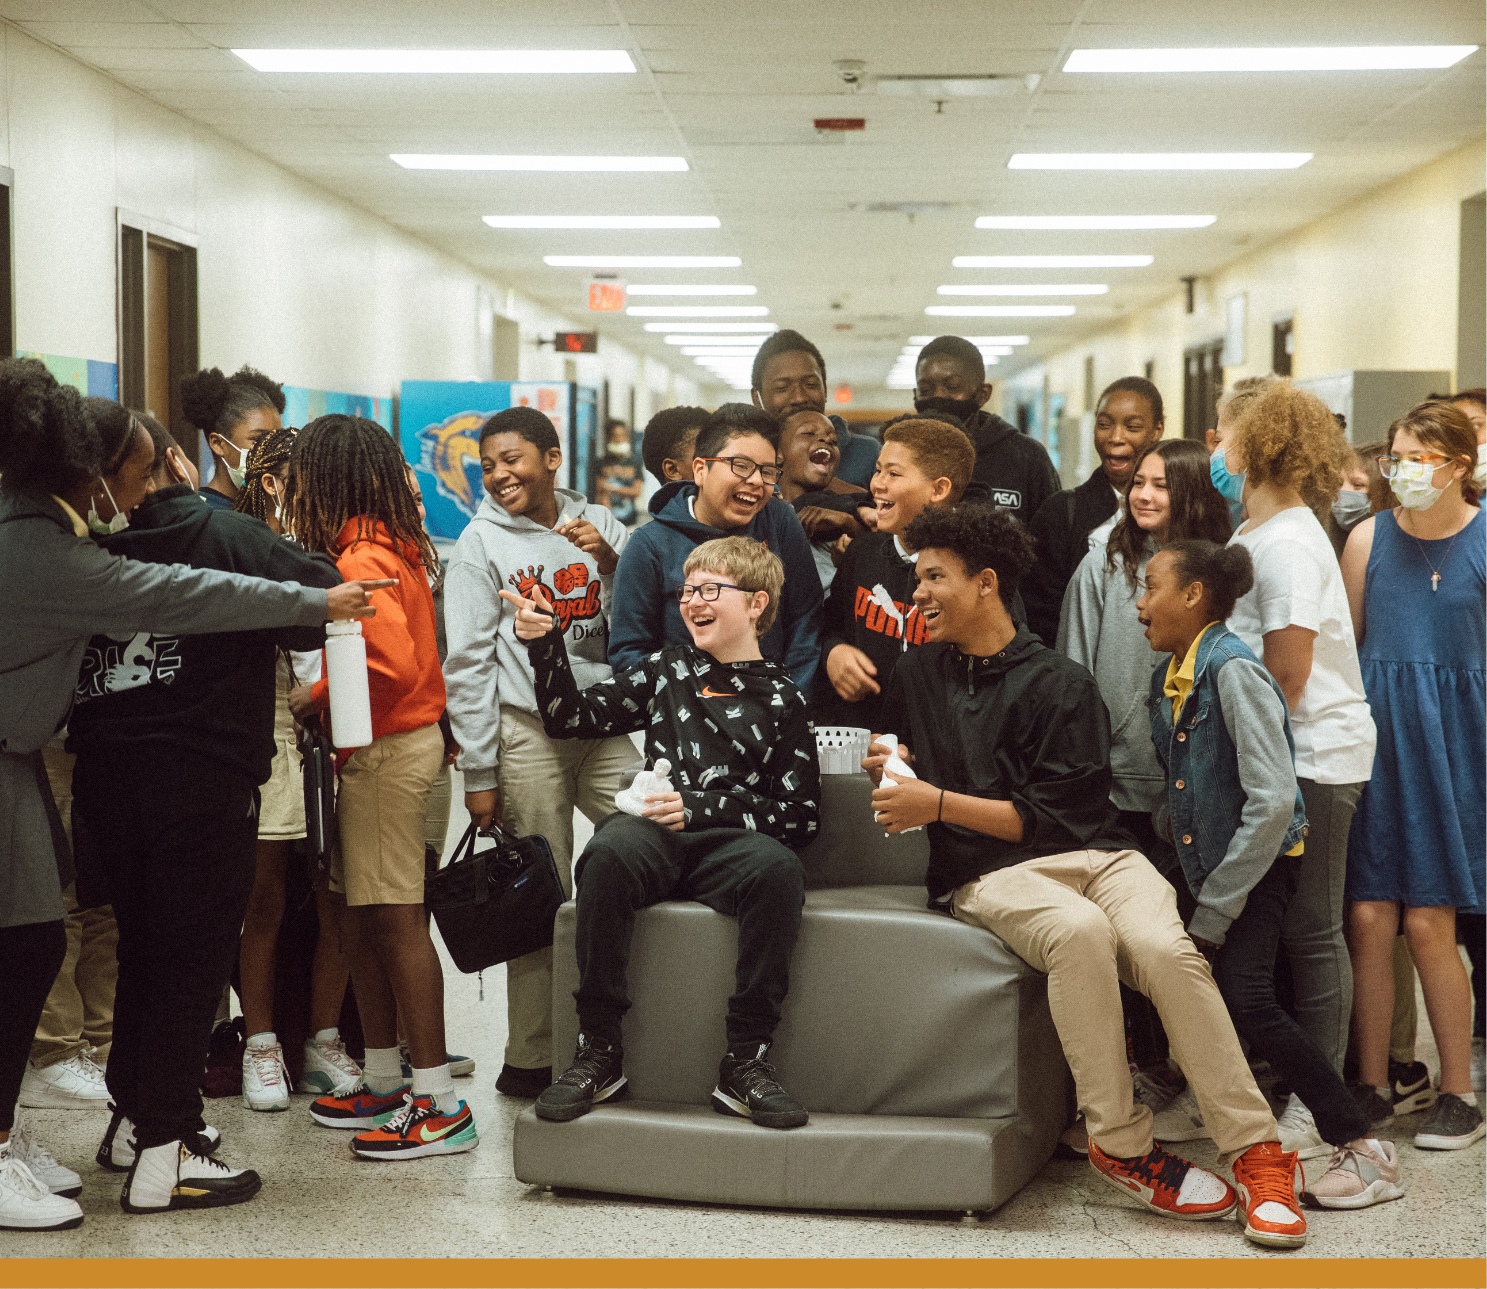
[(948, 87)]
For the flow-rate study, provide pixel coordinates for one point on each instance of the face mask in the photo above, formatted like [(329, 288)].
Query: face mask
[(237, 473), (1416, 494), (1230, 486), (619, 449), (1350, 508), (1479, 474), (117, 524), (960, 408)]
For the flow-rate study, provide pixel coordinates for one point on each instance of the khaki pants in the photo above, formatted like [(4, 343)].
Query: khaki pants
[(79, 1011), (542, 781), (1093, 920)]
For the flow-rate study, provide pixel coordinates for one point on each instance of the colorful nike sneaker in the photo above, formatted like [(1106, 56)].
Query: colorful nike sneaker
[(1270, 1182), (1166, 1184), (359, 1108), (419, 1129)]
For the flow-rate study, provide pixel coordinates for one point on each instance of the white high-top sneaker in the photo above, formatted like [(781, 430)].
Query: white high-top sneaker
[(1298, 1131), (265, 1080), (175, 1176), (329, 1070), (73, 1084), (27, 1205), (42, 1163), (116, 1153)]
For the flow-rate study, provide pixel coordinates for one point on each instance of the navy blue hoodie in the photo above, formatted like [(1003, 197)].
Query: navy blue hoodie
[(644, 616)]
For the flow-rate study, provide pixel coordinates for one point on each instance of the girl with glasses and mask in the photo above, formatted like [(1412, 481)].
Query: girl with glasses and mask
[(1417, 585), (233, 412)]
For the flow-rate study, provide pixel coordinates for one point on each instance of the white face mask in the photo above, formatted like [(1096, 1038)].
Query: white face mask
[(117, 524), (1479, 474), (237, 473), (1418, 492)]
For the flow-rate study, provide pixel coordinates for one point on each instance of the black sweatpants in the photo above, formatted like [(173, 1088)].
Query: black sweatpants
[(632, 863), (30, 958), (176, 841)]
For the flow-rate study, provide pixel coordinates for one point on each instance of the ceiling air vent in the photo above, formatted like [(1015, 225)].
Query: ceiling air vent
[(947, 87)]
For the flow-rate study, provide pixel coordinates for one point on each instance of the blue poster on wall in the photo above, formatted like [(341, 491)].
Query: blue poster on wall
[(440, 424)]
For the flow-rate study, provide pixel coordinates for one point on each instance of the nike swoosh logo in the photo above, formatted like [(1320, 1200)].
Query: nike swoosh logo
[(709, 693), (425, 1135)]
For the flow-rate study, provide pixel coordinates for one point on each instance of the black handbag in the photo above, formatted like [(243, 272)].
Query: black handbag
[(318, 774), (495, 904)]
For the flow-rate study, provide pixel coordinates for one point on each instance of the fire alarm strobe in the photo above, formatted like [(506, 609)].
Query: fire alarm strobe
[(841, 123)]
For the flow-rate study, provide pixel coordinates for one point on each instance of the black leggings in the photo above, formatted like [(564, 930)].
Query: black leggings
[(30, 958)]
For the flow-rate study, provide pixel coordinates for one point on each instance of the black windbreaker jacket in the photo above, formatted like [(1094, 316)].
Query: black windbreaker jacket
[(1026, 725), (1013, 466)]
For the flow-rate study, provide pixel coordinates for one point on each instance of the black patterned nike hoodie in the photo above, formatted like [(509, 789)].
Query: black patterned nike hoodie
[(741, 746)]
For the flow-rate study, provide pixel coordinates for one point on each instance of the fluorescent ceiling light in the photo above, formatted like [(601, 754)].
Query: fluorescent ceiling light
[(484, 161), (1078, 223), (977, 340), (642, 261), (519, 61), (1322, 58), (1000, 310), (710, 326), (756, 341), (697, 311), (1158, 160), (718, 351), (1088, 288), (678, 289), (1051, 261), (602, 221), (911, 352)]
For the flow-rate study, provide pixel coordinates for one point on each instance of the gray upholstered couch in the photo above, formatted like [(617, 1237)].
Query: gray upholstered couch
[(922, 1047)]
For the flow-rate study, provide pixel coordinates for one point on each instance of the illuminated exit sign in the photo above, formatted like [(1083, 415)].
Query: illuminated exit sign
[(576, 342)]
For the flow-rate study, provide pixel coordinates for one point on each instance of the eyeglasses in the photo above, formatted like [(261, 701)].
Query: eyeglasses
[(1420, 467), (744, 468), (709, 591)]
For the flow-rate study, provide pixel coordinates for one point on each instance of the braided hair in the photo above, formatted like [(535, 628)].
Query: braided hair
[(268, 456), (347, 467), (215, 403)]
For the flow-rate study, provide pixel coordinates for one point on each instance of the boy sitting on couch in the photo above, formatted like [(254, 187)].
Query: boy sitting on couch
[(742, 752)]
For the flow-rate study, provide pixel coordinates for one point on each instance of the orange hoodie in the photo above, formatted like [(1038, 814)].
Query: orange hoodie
[(404, 679)]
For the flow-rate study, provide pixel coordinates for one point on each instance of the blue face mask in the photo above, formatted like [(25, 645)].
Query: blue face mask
[(1230, 486)]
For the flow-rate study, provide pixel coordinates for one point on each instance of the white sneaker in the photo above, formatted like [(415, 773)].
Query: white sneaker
[(1154, 1094), (1479, 1058), (1298, 1131), (27, 1205), (42, 1163), (329, 1071), (1180, 1121), (175, 1176), (265, 1080), (73, 1084), (116, 1153)]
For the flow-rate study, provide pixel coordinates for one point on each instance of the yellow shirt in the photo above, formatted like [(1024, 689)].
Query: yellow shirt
[(78, 527), (1179, 684)]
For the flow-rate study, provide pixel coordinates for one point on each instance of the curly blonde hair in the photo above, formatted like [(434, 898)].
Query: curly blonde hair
[(1290, 438)]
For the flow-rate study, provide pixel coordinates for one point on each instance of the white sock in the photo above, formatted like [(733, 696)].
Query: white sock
[(327, 1035), (1385, 1092), (264, 1038), (438, 1083), (1469, 1097), (382, 1070)]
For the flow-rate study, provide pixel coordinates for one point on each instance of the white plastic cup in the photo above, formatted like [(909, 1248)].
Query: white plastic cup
[(840, 748), (346, 673)]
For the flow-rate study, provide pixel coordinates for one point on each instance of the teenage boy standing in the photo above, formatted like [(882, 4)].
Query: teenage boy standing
[(1012, 745), (743, 756), (735, 471)]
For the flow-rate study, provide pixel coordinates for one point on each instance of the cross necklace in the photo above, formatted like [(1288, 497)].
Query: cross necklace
[(1435, 576)]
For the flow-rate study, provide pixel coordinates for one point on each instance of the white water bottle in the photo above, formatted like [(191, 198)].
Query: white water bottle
[(346, 673)]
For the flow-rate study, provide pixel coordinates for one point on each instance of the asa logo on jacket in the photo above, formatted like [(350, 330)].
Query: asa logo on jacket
[(574, 594), (128, 663)]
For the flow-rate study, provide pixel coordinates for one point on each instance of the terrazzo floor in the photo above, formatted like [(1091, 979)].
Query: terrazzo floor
[(318, 1200)]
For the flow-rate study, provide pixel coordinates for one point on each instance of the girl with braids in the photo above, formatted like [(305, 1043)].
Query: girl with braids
[(59, 587), (326, 1068), (234, 412), (349, 496)]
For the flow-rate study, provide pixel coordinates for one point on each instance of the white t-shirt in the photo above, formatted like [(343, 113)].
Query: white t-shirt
[(1298, 583)]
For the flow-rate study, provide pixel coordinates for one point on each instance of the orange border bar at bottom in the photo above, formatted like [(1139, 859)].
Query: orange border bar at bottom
[(1278, 1272)]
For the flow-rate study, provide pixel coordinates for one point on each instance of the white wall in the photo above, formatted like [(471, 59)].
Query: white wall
[(292, 280)]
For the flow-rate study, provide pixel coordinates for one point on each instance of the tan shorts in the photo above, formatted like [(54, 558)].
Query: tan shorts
[(281, 812), (380, 810)]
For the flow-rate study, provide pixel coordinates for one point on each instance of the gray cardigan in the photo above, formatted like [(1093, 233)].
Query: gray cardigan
[(1098, 629), (57, 590)]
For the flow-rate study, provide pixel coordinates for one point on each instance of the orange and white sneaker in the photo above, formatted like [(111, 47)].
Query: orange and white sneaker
[(419, 1129), (1270, 1183), (1166, 1184)]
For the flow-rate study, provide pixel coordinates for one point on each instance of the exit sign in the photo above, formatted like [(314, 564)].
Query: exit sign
[(606, 297), (576, 342)]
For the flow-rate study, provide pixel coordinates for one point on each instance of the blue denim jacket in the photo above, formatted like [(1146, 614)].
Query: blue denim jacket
[(1205, 793)]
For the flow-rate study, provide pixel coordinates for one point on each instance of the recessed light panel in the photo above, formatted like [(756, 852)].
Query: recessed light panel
[(504, 161), (1158, 160), (438, 61), (1000, 310), (921, 341), (1320, 58), (602, 221)]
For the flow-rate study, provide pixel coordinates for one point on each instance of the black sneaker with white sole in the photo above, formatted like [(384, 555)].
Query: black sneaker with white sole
[(116, 1154), (1409, 1087), (1379, 1109), (175, 1176), (747, 1087), (1454, 1125), (596, 1075)]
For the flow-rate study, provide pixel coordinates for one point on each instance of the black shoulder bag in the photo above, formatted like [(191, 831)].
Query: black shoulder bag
[(318, 770)]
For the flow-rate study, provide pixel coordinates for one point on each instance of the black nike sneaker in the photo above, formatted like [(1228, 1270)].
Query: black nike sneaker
[(595, 1075), (1409, 1087), (747, 1087)]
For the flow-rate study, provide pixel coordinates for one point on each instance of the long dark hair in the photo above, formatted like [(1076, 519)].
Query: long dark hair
[(347, 467), (1196, 509)]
